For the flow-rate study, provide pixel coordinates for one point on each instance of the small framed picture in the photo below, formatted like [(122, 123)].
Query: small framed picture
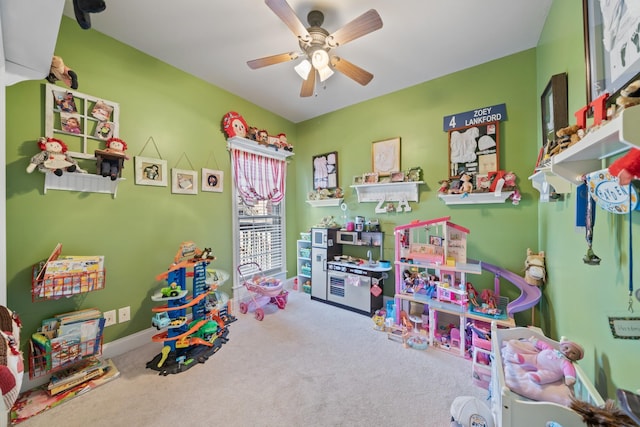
[(358, 180), (435, 240), (397, 176), (212, 180), (184, 181), (385, 156), (151, 171), (370, 178)]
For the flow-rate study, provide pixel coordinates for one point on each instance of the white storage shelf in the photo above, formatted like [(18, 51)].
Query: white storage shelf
[(245, 144), (325, 202), (388, 191), (614, 137), (84, 182), (475, 198)]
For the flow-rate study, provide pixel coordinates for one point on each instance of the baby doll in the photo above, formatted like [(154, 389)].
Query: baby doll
[(52, 158), (111, 157), (550, 365)]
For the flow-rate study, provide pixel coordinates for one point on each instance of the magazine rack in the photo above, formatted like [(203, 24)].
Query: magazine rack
[(61, 355), (65, 277)]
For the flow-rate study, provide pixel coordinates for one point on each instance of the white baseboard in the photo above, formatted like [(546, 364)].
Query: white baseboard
[(109, 351)]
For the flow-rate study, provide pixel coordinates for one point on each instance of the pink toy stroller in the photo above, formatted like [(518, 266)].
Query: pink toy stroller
[(262, 290)]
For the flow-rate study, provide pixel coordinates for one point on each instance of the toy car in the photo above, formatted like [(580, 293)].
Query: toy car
[(160, 320), (171, 290)]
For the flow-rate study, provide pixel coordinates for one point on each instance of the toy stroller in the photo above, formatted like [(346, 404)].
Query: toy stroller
[(262, 290)]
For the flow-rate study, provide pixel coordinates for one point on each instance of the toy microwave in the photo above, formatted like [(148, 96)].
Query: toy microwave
[(347, 237)]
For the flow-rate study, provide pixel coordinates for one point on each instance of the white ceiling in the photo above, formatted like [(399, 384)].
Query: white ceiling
[(420, 40)]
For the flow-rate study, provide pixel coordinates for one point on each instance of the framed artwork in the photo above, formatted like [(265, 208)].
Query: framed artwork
[(397, 177), (474, 149), (370, 178), (184, 181), (212, 180), (385, 156), (358, 180), (151, 171), (325, 171), (554, 108), (612, 46)]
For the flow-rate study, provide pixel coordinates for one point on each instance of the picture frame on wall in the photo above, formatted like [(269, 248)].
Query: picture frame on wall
[(474, 149), (385, 156), (554, 108), (358, 180), (325, 171), (150, 171), (371, 178), (397, 176), (212, 180), (612, 45), (184, 181)]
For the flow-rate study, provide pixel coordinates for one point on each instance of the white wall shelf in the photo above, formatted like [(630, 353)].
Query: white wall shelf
[(614, 137), (253, 147), (388, 191), (86, 182), (325, 202), (544, 179), (475, 198)]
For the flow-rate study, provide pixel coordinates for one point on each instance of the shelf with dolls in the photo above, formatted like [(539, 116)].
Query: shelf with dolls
[(77, 126)]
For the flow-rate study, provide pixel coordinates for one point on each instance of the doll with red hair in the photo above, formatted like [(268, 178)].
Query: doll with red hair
[(53, 157), (111, 159)]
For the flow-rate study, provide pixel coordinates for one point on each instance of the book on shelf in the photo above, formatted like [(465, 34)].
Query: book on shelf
[(86, 370)]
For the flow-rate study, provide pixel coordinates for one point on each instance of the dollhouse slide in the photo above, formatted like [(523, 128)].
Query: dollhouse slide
[(529, 296)]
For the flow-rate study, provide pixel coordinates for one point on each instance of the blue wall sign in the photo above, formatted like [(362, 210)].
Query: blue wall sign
[(495, 113)]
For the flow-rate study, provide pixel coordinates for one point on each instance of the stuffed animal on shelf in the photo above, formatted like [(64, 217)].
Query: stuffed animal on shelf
[(52, 158), (467, 183), (234, 124), (549, 364), (535, 271), (627, 167), (111, 159), (59, 71)]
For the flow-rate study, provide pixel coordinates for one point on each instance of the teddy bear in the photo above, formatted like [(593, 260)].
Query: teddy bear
[(629, 96), (111, 158), (534, 268), (52, 158), (549, 364), (566, 137), (59, 71)]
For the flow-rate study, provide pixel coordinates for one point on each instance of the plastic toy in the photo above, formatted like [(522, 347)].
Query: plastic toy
[(261, 290), (160, 320), (52, 158), (59, 71)]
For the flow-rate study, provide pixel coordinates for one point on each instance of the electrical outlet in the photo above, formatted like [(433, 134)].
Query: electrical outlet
[(109, 317), (124, 314)]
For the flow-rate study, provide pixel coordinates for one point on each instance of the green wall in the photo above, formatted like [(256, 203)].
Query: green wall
[(140, 230), (578, 297)]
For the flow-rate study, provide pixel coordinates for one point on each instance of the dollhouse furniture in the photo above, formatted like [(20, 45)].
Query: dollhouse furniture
[(513, 410)]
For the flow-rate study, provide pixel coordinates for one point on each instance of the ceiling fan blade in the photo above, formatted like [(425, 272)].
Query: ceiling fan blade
[(309, 85), (289, 17), (364, 24), (271, 60), (351, 70)]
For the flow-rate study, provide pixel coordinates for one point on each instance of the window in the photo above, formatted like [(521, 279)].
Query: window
[(260, 237), (259, 213)]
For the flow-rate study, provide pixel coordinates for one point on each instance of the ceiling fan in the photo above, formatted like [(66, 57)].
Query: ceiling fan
[(316, 44)]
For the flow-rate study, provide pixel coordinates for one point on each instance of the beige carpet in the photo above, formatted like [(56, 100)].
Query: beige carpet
[(310, 364)]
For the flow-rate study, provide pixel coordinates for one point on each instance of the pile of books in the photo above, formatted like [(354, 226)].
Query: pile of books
[(66, 338), (79, 373)]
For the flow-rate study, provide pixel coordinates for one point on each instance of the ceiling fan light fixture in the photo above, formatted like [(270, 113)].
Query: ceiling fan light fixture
[(325, 73), (303, 69)]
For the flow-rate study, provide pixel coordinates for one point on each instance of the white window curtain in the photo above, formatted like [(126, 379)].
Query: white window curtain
[(258, 177)]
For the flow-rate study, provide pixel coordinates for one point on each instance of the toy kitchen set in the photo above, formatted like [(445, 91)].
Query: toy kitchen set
[(342, 279)]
